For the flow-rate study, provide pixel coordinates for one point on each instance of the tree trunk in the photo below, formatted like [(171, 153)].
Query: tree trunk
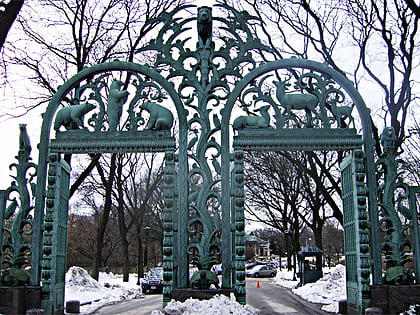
[(121, 223), (126, 268), (103, 221)]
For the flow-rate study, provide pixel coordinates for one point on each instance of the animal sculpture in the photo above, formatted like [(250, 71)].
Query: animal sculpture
[(262, 121), (204, 25), (341, 112), (296, 101), (160, 117), (116, 100), (71, 117)]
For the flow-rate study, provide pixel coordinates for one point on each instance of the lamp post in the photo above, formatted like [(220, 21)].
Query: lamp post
[(146, 233), (139, 259), (140, 269)]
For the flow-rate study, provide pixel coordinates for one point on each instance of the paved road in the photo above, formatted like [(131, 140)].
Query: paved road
[(142, 306), (272, 299), (269, 299)]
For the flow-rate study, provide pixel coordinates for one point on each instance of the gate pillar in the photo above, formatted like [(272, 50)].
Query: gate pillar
[(169, 221), (53, 268), (238, 219), (356, 231)]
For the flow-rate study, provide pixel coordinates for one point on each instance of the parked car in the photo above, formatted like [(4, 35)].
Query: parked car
[(253, 264), (261, 271), (153, 281)]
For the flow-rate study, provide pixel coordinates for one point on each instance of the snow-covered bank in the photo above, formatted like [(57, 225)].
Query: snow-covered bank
[(111, 289), (94, 294), (328, 290)]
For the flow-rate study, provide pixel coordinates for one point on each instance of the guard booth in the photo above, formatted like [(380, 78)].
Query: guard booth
[(310, 264)]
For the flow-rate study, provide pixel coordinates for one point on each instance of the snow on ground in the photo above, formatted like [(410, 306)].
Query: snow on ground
[(328, 290), (109, 290), (218, 305)]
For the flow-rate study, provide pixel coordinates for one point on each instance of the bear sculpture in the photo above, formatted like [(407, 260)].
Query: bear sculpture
[(160, 118), (71, 117), (116, 100)]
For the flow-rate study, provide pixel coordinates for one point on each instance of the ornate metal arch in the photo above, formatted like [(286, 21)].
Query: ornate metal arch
[(45, 142), (205, 85), (287, 138)]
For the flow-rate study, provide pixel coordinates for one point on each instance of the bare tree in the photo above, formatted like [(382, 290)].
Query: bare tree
[(86, 32), (284, 187), (128, 187), (368, 41), (333, 240), (136, 194), (9, 11)]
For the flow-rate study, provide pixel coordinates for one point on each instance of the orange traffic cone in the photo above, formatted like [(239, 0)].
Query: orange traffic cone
[(258, 284)]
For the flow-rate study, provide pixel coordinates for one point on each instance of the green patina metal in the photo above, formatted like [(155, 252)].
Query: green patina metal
[(16, 204), (54, 250), (398, 216), (356, 231), (290, 104)]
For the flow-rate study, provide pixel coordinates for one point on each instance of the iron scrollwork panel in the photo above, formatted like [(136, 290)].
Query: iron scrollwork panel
[(398, 217), (16, 217)]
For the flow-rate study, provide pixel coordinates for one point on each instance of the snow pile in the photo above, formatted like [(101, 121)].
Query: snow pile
[(285, 279), (79, 278), (93, 294), (328, 290), (413, 310), (218, 305)]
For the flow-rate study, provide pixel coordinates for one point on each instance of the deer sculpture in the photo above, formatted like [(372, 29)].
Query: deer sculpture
[(253, 121), (296, 101), (341, 112)]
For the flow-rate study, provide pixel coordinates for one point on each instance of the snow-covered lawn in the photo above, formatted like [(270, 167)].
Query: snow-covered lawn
[(111, 289)]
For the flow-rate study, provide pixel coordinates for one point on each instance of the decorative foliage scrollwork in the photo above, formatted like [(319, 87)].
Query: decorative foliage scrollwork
[(204, 79), (16, 220), (395, 215)]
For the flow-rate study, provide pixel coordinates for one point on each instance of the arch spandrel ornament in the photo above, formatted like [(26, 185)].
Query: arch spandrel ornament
[(128, 114), (317, 115)]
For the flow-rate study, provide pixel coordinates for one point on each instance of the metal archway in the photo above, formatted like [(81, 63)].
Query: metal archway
[(204, 213)]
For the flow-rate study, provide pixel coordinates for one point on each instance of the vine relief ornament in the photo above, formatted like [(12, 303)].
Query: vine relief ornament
[(396, 220), (16, 219)]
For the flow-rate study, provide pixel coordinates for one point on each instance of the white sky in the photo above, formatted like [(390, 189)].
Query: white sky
[(9, 131)]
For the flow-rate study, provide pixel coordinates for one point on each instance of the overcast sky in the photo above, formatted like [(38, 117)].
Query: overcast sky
[(9, 130)]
